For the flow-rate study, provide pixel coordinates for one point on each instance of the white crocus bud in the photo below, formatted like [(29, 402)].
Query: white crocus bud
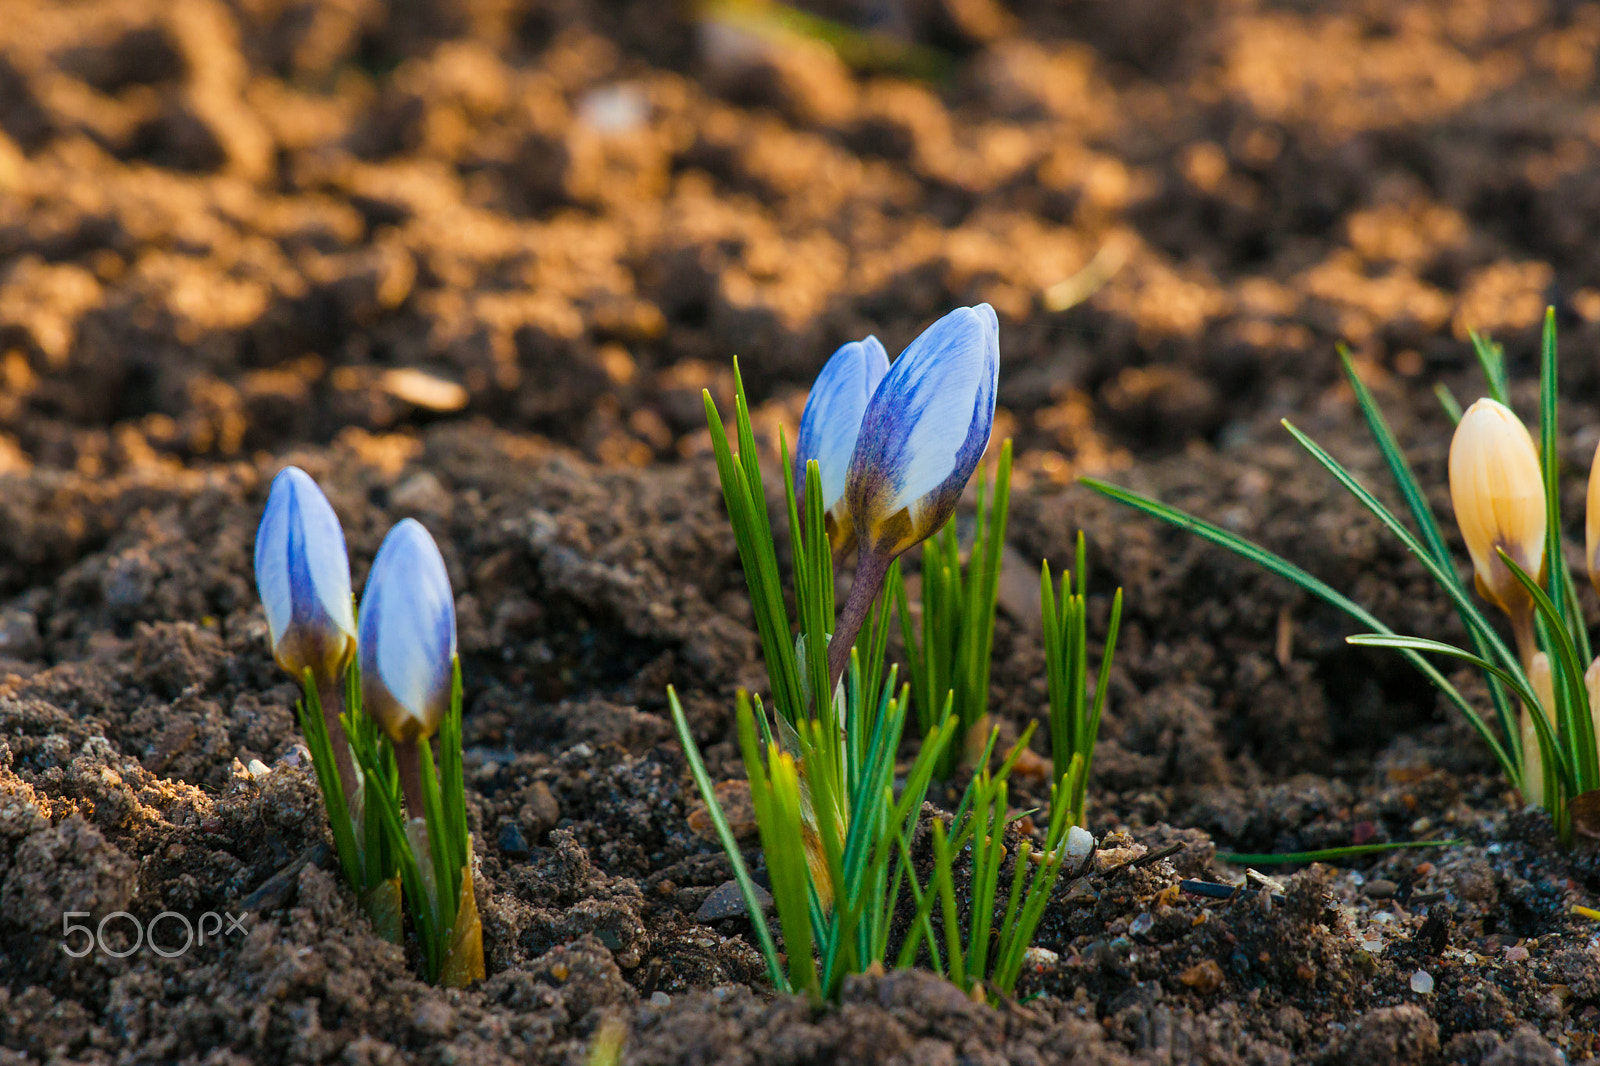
[(407, 635), (1497, 491), (303, 575)]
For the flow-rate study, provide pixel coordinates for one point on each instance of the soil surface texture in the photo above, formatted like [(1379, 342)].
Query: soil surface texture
[(473, 261)]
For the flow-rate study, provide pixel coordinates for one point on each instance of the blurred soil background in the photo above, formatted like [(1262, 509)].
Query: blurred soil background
[(474, 261)]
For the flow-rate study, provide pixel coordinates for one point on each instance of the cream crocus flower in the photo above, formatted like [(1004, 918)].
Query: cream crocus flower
[(1498, 494)]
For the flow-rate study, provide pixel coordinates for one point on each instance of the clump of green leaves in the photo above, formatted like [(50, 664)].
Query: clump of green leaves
[(434, 864), (951, 651), (979, 829), (1549, 750), (1074, 717), (375, 695), (838, 832), (367, 858)]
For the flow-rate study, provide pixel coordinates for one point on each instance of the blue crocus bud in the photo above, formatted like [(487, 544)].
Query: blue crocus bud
[(407, 637), (829, 426), (303, 575), (924, 432)]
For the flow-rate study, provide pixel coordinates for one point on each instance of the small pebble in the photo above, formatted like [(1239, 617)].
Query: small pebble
[(1141, 925), (1516, 953), (660, 999), (1422, 983), (1205, 976), (512, 842), (258, 769), (1378, 888), (727, 901), (1080, 842), (1040, 960)]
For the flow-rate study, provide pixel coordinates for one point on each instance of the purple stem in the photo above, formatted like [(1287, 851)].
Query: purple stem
[(331, 695), (408, 762), (870, 572)]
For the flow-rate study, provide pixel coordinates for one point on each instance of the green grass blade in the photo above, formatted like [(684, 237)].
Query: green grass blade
[(758, 559), (1328, 854), (452, 776), (1101, 688), (921, 926), (944, 863), (1405, 479), (1417, 502), (1562, 590), (1448, 401), (447, 882), (1576, 726), (1492, 358), (386, 806), (320, 744), (1514, 681)]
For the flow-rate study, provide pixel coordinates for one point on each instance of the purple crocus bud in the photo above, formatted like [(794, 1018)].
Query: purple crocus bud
[(923, 432)]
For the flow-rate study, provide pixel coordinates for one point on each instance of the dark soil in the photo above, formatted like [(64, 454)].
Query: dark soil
[(473, 261)]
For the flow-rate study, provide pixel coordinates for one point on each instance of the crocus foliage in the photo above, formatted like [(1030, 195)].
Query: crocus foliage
[(375, 694), (884, 454), (1544, 686)]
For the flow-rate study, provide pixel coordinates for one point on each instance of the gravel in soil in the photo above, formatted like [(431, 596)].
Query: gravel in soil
[(474, 263)]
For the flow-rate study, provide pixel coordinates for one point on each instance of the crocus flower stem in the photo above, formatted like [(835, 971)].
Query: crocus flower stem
[(408, 761), (870, 573), (1522, 631), (330, 693)]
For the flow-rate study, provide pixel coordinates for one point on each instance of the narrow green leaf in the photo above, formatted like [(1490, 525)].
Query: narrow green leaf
[(730, 846), (1563, 592), (320, 744), (1417, 501), (1329, 854), (1577, 758), (1492, 358), (1448, 401)]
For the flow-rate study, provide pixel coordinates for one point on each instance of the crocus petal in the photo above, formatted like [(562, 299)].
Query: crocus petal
[(924, 431), (830, 424), (303, 575), (1497, 492), (1592, 528), (407, 636), (832, 417)]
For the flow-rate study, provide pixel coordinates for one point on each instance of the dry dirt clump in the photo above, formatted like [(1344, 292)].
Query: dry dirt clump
[(475, 262)]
